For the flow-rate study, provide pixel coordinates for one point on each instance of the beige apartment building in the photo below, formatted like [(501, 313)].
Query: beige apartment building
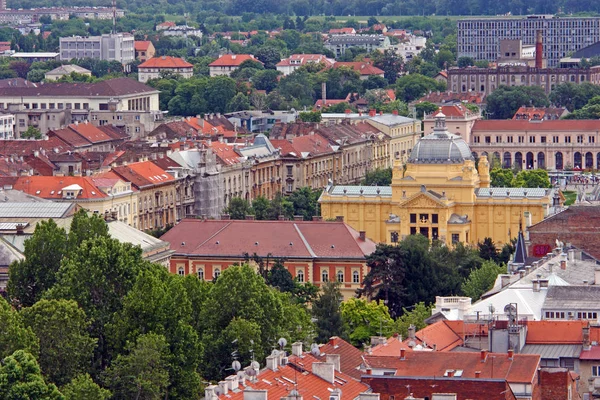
[(459, 120)]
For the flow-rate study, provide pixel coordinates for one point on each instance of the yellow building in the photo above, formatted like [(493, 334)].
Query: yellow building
[(439, 193)]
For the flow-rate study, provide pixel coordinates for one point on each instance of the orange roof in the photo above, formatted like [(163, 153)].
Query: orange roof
[(90, 132), (232, 60), (167, 24), (558, 125), (391, 347), (350, 356), (165, 62), (224, 152), (297, 375), (302, 146), (342, 31), (329, 102), (453, 111), (143, 174), (51, 187), (521, 368), (303, 59), (362, 68), (142, 45), (555, 332)]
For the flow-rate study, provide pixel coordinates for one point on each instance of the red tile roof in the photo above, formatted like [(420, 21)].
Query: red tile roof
[(391, 347), (445, 97), (537, 113), (224, 152), (592, 354), (26, 147), (328, 103), (142, 45), (559, 125), (555, 332), (303, 146), (350, 356), (440, 335), (282, 239), (303, 59), (232, 60), (107, 88), (143, 174), (91, 133), (165, 62), (342, 31), (167, 24), (297, 375), (362, 68), (521, 368), (50, 187)]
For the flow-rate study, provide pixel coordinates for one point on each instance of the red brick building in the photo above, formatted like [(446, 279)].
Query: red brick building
[(578, 225), (313, 251)]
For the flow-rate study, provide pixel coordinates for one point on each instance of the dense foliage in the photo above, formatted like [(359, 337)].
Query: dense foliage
[(530, 178)]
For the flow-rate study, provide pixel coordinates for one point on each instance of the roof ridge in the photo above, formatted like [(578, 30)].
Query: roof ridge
[(214, 234), (310, 250)]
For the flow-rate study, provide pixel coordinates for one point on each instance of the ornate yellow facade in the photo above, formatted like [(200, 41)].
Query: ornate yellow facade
[(438, 193)]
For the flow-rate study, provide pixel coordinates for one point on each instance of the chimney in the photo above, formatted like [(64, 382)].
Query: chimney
[(395, 112), (403, 354), (538, 49), (411, 332), (281, 217), (333, 359), (505, 280), (20, 229), (317, 218), (297, 349), (511, 354), (250, 217), (339, 218), (477, 374), (255, 394), (571, 255), (233, 382), (586, 337), (536, 285), (450, 373), (372, 113), (298, 218), (223, 387), (324, 370), (483, 355), (324, 92), (362, 235), (369, 371), (225, 216), (209, 392), (333, 341), (563, 264), (272, 363)]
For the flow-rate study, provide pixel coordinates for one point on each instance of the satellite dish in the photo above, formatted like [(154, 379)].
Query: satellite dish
[(251, 372), (282, 342), (255, 365), (510, 309), (314, 350), (236, 365), (275, 352)]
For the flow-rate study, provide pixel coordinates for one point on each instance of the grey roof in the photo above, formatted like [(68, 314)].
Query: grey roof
[(553, 351), (356, 39), (67, 69), (391, 119), (512, 192), (11, 226), (35, 210), (573, 298), (382, 191), (441, 147)]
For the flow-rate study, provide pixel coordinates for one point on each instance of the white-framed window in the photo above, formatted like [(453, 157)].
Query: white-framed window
[(217, 272), (200, 274), (324, 276), (181, 271), (595, 370), (300, 276), (340, 276), (355, 277)]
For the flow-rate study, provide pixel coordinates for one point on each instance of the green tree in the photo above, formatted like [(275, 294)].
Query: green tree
[(260, 207), (481, 280), (413, 86), (31, 133), (425, 107), (85, 227), (391, 64), (378, 177), (488, 250), (504, 102), (14, 335), (310, 116), (326, 310), (532, 178), (239, 102), (269, 56), (218, 93), (142, 373), (31, 277), (280, 278), (266, 80), (415, 315), (465, 62), (305, 202), (83, 387), (363, 319), (238, 208), (66, 347), (20, 378), (280, 206), (500, 177)]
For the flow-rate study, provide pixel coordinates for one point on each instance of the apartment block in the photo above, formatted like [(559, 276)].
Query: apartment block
[(110, 47)]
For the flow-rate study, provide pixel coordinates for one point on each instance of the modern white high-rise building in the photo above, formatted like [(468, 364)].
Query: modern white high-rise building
[(110, 47), (480, 37)]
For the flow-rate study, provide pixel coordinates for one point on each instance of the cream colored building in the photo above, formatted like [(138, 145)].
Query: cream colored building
[(65, 70), (459, 120), (441, 195)]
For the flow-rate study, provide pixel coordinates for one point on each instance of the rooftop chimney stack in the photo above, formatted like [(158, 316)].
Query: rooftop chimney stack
[(538, 49), (324, 93)]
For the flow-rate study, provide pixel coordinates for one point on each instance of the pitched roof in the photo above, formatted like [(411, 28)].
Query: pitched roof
[(143, 174), (391, 347), (225, 153), (67, 69), (232, 60), (25, 147), (165, 62), (537, 113), (440, 335), (297, 375), (142, 45), (446, 97), (107, 88), (350, 356), (51, 187), (557, 125), (521, 368), (304, 146), (303, 59), (284, 239), (363, 68)]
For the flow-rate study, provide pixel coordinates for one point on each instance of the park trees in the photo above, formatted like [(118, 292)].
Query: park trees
[(326, 310)]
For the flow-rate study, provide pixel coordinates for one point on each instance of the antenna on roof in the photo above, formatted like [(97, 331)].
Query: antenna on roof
[(114, 10)]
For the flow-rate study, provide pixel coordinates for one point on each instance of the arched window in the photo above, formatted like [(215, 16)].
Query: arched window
[(181, 271), (217, 273), (201, 274), (340, 276), (324, 276), (300, 276), (355, 277)]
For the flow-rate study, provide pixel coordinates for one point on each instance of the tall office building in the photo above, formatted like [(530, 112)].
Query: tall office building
[(110, 47), (480, 37)]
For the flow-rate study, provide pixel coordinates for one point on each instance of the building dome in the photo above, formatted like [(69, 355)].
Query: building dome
[(441, 147)]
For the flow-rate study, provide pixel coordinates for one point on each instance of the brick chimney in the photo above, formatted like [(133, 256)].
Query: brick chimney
[(586, 337), (511, 354), (372, 113), (298, 218), (403, 354), (484, 354), (339, 218), (333, 341), (362, 235), (538, 49), (250, 217), (395, 112), (317, 218)]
